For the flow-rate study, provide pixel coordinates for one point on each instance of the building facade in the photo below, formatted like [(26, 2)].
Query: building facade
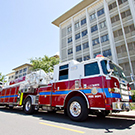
[(95, 27), (19, 71), (10, 76)]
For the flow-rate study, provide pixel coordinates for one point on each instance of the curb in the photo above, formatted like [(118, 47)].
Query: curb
[(122, 115)]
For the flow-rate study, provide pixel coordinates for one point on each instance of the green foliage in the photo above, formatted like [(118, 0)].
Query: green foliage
[(133, 95), (2, 78), (132, 106), (46, 63)]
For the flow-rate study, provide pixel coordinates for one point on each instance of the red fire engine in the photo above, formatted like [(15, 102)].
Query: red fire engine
[(97, 86)]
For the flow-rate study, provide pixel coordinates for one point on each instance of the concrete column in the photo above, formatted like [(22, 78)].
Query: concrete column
[(132, 9), (73, 39), (110, 33), (89, 34), (60, 42)]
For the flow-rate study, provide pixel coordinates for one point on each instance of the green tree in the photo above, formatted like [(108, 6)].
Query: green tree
[(46, 63), (2, 78)]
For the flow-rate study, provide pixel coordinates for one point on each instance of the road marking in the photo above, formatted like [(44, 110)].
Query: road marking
[(62, 128)]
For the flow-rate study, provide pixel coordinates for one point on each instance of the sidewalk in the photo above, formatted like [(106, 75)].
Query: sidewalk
[(130, 114)]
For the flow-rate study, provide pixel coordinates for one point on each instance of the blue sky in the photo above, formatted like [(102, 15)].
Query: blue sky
[(26, 30)]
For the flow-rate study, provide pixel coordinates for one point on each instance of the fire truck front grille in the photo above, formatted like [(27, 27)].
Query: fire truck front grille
[(37, 99), (124, 92)]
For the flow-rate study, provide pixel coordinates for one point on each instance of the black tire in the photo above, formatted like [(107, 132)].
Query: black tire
[(28, 107), (11, 107), (77, 109)]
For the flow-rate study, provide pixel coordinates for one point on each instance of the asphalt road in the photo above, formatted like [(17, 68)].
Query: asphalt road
[(15, 122)]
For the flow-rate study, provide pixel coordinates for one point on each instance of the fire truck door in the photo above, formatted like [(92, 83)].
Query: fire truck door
[(45, 95), (59, 91)]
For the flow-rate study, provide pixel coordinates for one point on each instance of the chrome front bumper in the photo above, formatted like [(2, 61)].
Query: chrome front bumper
[(121, 106)]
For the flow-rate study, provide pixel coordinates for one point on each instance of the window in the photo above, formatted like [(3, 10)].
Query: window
[(63, 72), (69, 39), (95, 41), (131, 46), (16, 72), (121, 1), (20, 71), (125, 14), (107, 53), (77, 36), (121, 49), (104, 67), (79, 59), (83, 21), (94, 28), (102, 25), (24, 74), (86, 58), (77, 25), (78, 48), (118, 33), (100, 12), (129, 29), (104, 38), (84, 33), (20, 75), (69, 29), (25, 69), (115, 19), (95, 54), (70, 51), (91, 69), (85, 45), (113, 5), (92, 17)]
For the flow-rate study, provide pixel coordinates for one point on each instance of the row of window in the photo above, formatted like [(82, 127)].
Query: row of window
[(89, 70), (20, 76), (78, 48), (77, 36), (84, 58), (94, 41), (20, 71), (113, 5), (103, 39), (127, 30), (122, 48), (99, 13), (11, 77), (123, 15), (106, 53), (93, 16)]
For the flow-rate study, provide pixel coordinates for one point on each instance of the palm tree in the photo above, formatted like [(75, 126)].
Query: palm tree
[(46, 63), (2, 78)]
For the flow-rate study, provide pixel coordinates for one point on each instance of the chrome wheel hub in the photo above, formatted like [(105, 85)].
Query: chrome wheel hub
[(75, 109), (28, 106)]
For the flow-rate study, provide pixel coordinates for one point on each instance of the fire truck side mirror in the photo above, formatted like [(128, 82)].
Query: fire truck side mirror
[(110, 71)]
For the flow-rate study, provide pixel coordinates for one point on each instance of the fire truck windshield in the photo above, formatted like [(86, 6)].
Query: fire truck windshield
[(116, 70)]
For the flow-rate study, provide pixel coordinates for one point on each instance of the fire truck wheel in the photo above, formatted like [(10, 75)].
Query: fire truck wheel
[(28, 108), (77, 109)]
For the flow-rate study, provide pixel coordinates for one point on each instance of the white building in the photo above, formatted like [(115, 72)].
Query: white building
[(19, 71), (104, 27)]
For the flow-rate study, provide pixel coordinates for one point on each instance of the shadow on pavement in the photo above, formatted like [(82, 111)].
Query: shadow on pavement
[(92, 122)]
